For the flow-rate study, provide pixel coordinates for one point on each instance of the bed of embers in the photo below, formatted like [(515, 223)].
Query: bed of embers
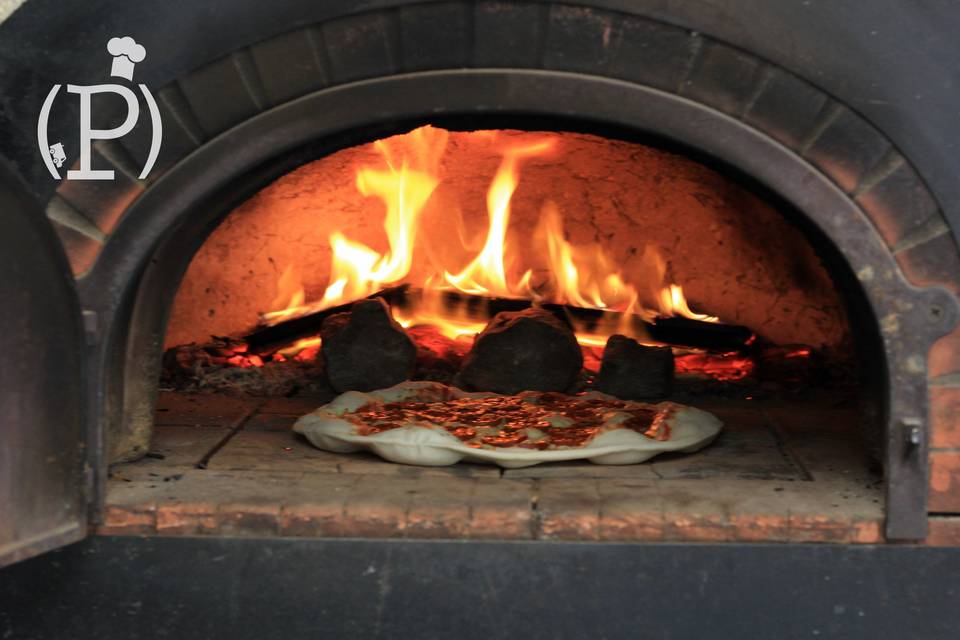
[(360, 346)]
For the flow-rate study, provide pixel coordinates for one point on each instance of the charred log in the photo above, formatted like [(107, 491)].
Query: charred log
[(269, 338), (688, 332), (366, 349), (677, 331), (632, 371), (523, 350)]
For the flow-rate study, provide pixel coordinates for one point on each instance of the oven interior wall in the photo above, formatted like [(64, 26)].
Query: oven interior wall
[(735, 256)]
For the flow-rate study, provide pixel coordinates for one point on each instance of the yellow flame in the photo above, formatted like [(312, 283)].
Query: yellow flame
[(300, 345), (582, 276), (290, 295), (356, 270), (576, 275), (486, 274), (673, 303)]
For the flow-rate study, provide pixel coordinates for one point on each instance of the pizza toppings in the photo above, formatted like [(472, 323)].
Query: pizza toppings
[(530, 420), (432, 424)]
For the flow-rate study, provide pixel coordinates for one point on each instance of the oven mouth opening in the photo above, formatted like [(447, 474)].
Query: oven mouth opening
[(792, 451)]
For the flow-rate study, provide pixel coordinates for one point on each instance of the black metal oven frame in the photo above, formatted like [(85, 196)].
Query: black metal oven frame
[(130, 588), (792, 99)]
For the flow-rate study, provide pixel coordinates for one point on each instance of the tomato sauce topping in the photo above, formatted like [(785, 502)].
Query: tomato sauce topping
[(527, 421)]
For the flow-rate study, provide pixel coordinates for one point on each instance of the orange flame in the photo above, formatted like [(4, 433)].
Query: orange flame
[(580, 276), (290, 295), (486, 275)]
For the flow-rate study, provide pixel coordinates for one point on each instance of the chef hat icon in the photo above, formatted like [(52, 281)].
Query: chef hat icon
[(125, 52)]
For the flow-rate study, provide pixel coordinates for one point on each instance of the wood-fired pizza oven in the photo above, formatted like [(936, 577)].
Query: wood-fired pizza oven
[(655, 173)]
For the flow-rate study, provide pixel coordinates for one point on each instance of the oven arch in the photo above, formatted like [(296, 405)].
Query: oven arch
[(126, 290), (173, 204)]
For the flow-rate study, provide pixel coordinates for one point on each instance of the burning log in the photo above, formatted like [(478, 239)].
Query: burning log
[(679, 331), (366, 349), (714, 336), (632, 371), (523, 350), (268, 338)]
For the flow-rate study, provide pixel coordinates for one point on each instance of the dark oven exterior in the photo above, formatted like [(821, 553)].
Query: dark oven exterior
[(845, 114)]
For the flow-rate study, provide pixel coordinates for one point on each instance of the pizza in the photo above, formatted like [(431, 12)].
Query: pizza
[(432, 424)]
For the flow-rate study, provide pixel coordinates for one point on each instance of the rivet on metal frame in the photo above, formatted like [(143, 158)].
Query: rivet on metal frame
[(912, 429)]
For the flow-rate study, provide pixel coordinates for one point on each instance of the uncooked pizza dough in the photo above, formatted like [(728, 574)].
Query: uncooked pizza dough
[(432, 424)]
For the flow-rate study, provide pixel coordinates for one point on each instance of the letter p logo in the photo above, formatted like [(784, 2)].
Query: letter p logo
[(125, 52), (88, 135)]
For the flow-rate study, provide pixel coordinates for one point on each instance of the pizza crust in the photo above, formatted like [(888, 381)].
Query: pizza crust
[(327, 429)]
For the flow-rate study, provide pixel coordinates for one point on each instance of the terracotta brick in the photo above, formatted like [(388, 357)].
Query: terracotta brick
[(310, 520), (755, 512), (944, 531), (568, 509), (811, 527), (186, 518), (945, 416), (819, 517), (501, 509), (944, 482), (440, 509), (645, 526), (126, 520), (378, 509), (944, 356), (248, 519), (934, 262), (691, 514), (752, 527), (697, 528), (630, 511), (866, 531), (316, 506)]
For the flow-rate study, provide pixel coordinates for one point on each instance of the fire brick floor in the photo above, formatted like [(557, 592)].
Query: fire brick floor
[(779, 472)]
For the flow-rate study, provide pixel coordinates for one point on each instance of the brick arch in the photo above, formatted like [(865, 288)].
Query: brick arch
[(97, 222), (428, 36)]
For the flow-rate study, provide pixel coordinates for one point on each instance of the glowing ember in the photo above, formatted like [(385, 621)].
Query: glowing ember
[(304, 350), (580, 276), (719, 366)]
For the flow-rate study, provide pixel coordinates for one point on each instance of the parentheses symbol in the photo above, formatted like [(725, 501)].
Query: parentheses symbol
[(42, 123), (157, 131)]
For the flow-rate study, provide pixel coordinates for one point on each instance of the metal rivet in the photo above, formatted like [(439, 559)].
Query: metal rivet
[(912, 429)]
